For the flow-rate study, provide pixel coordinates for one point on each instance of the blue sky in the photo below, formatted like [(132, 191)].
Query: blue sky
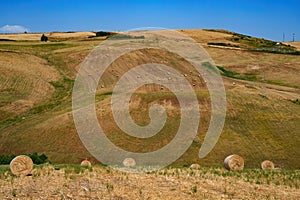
[(261, 18)]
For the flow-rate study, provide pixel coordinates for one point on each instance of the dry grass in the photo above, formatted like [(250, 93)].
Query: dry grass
[(75, 182), (203, 36), (25, 81), (22, 36), (279, 68), (71, 35), (51, 36), (295, 44)]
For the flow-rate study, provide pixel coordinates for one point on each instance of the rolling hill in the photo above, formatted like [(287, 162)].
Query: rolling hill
[(262, 121)]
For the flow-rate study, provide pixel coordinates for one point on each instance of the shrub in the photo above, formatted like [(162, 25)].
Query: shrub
[(44, 38), (38, 159), (5, 159), (102, 33), (35, 157), (223, 44)]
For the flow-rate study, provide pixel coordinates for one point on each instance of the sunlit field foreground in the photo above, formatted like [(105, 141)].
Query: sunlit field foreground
[(101, 182)]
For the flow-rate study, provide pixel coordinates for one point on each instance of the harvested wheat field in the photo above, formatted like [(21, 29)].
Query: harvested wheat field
[(99, 182), (70, 35), (22, 36), (51, 36)]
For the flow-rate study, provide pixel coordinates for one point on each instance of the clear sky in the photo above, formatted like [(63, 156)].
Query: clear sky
[(261, 18)]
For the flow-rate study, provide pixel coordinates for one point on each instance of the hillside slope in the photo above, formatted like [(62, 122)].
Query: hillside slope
[(37, 80)]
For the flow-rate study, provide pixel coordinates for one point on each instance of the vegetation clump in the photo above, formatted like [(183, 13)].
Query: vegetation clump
[(223, 44), (296, 101), (44, 38), (35, 157)]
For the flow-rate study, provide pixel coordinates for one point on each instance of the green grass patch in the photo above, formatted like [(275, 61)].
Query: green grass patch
[(227, 73), (63, 89), (278, 82), (36, 48), (4, 168), (209, 67), (9, 95), (247, 76), (72, 168), (296, 101)]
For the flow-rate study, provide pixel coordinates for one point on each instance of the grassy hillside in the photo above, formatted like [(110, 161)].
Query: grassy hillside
[(37, 79)]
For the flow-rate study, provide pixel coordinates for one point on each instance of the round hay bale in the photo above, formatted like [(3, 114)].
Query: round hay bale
[(21, 165), (86, 163), (266, 165), (195, 166), (129, 162), (234, 162)]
